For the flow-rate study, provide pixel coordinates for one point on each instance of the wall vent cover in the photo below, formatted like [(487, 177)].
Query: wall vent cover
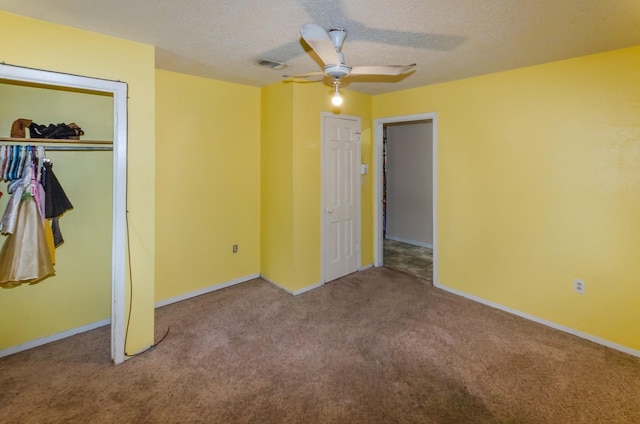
[(271, 64)]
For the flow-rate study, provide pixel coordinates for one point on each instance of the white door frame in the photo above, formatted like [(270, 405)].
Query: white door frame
[(118, 248), (322, 188), (378, 141)]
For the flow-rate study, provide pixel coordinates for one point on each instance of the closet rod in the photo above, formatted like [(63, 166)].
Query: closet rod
[(76, 148), (68, 148)]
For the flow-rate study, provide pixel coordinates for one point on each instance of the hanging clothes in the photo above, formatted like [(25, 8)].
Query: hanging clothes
[(28, 253), (16, 189), (25, 257), (56, 201), (48, 232)]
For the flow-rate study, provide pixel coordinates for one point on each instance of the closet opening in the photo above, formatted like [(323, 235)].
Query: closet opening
[(88, 288)]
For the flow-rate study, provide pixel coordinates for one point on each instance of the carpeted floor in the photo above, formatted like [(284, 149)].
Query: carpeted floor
[(377, 346)]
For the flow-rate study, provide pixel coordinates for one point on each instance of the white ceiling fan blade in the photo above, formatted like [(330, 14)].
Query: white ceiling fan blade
[(302, 80), (318, 39), (307, 75), (382, 70)]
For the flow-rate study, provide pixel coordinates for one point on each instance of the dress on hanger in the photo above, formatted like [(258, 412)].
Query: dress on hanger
[(25, 257), (16, 189)]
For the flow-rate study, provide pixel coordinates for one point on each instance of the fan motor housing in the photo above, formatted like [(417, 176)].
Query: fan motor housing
[(337, 71)]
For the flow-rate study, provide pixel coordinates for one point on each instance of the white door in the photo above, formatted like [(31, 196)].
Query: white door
[(341, 196)]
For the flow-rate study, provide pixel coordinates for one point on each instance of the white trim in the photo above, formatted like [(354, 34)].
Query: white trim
[(52, 338), (119, 243), (412, 242), (294, 292), (551, 324), (206, 290), (323, 116), (72, 332), (118, 246), (306, 289), (365, 267), (378, 135)]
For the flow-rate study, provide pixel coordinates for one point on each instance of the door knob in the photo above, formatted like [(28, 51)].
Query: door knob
[(329, 211)]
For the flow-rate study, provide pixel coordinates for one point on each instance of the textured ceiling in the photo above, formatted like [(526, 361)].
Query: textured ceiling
[(447, 39)]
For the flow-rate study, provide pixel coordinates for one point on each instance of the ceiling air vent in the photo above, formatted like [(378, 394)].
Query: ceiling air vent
[(271, 64)]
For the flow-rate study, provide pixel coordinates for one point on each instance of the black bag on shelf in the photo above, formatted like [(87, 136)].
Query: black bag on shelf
[(62, 131)]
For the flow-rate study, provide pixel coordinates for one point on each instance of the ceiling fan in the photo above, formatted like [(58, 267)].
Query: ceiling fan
[(328, 47)]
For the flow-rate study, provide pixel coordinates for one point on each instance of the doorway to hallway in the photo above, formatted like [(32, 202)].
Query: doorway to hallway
[(405, 184)]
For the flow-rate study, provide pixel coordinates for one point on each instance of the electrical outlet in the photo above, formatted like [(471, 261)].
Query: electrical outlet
[(235, 248), (578, 286)]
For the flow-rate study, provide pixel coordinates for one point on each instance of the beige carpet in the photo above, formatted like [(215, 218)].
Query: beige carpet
[(375, 347)]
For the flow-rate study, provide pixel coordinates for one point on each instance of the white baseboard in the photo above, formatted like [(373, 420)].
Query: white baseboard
[(551, 324), (294, 292), (365, 267), (311, 287), (52, 338), (306, 289), (55, 337), (413, 242), (206, 290)]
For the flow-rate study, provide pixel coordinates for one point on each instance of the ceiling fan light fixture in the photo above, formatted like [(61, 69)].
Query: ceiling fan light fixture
[(337, 99)]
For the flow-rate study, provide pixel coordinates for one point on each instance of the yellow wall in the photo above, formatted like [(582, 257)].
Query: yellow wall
[(291, 225), (37, 44), (276, 182), (538, 184), (207, 183)]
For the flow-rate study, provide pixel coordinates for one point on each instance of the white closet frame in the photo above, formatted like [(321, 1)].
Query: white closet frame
[(118, 249)]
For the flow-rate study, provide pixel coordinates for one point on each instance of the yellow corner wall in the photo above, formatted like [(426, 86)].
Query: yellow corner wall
[(276, 182), (207, 183), (291, 180), (311, 101), (538, 185), (37, 44)]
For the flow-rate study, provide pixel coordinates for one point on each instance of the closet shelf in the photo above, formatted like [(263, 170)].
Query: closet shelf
[(54, 140)]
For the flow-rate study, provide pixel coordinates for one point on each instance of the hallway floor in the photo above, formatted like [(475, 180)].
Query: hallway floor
[(408, 258)]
